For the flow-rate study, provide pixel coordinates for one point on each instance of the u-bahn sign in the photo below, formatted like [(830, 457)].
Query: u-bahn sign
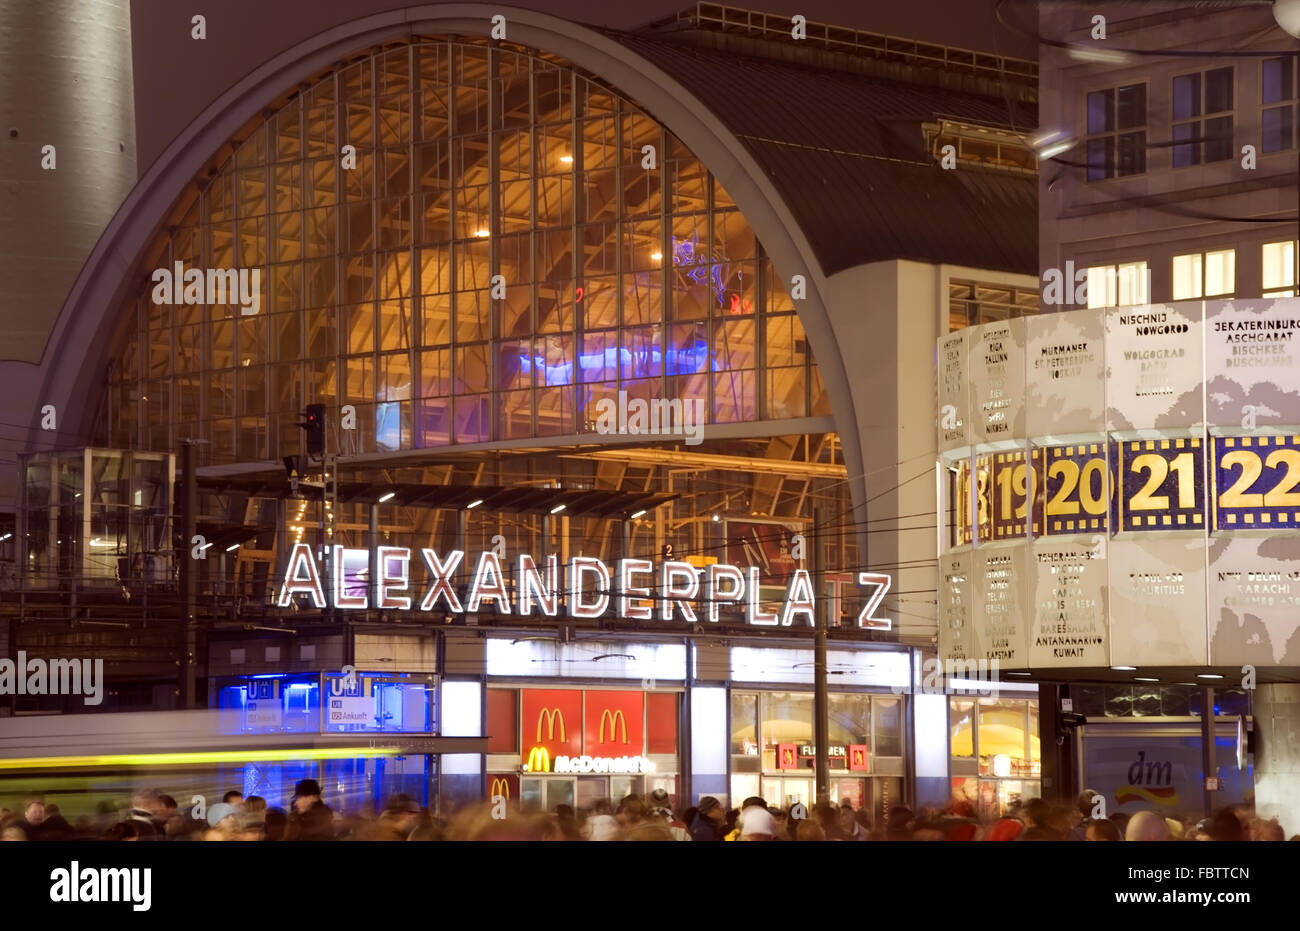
[(636, 590)]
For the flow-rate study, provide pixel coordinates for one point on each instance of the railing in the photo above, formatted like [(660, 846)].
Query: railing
[(856, 42)]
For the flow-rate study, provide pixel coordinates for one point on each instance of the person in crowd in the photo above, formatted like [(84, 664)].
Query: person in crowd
[(1005, 829), (660, 806), (648, 830), (1084, 806), (399, 818), (781, 818), (130, 829), (276, 826), (1099, 829), (1121, 819), (55, 826), (825, 814), (631, 812), (1266, 830), (312, 819), (601, 824), (12, 832), (1225, 825), (223, 822), (848, 823), (1147, 826), (809, 830), (757, 823), (567, 821), (32, 820), (898, 824), (735, 819), (708, 821), (144, 809), (234, 798)]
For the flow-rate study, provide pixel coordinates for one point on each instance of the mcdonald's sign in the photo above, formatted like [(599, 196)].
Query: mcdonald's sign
[(550, 720), (615, 723), (614, 720), (539, 761), (500, 787)]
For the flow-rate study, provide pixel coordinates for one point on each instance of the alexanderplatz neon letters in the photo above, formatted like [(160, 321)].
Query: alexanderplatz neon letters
[(636, 590)]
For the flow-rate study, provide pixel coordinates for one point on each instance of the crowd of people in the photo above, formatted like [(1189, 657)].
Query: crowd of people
[(155, 816)]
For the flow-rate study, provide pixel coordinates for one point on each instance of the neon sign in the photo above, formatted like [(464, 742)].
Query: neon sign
[(584, 589)]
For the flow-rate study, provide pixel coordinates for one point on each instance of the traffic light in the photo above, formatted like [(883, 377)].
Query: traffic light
[(315, 427)]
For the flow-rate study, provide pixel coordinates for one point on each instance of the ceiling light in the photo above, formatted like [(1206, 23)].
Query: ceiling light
[(638, 514), (1208, 675), (558, 508), (566, 159), (1124, 668), (231, 549), (388, 497), (1144, 679), (656, 256), (1026, 674), (473, 504), (716, 518), (482, 234)]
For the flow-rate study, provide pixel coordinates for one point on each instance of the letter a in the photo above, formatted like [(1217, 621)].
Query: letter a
[(1248, 677), (349, 156), (648, 160), (1248, 157), (948, 418), (605, 413), (1248, 416), (498, 808), (1099, 27), (47, 417), (498, 27), (47, 157), (799, 24), (1053, 287), (798, 288), (797, 546), (348, 417), (498, 287), (200, 30), (949, 160)]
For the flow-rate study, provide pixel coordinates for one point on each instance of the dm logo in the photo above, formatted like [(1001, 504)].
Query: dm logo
[(1151, 782)]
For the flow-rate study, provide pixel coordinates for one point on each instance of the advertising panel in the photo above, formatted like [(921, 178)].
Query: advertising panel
[(1255, 601), (1065, 382), (1000, 596), (1252, 363), (1157, 601), (954, 391), (955, 603), (1153, 360), (997, 379), (1162, 773), (1069, 598)]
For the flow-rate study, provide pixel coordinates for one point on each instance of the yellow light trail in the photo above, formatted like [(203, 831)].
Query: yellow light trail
[(182, 759)]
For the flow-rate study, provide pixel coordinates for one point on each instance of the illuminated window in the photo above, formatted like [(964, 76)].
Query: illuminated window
[(380, 284), (1278, 269), (1208, 274), (1278, 87), (1196, 100), (1116, 136), (971, 303), (1118, 285)]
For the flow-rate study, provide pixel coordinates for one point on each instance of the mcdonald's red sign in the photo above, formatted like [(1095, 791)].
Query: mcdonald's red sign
[(550, 720), (615, 723)]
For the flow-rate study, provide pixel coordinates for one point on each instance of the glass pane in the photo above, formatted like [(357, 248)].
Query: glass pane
[(1220, 272), (1218, 139), (1002, 738), (1132, 106), (1187, 96), (1278, 264), (1277, 80), (889, 726), (1277, 129), (787, 719), (744, 721), (1101, 159), (1189, 154), (850, 719), (1218, 90), (1100, 110), (961, 728), (1187, 277), (1132, 153), (1132, 280)]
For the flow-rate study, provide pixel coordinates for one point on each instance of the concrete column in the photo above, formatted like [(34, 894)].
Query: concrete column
[(1277, 755)]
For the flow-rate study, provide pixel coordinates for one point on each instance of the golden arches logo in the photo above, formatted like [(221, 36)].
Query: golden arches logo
[(501, 787), (616, 722), (550, 716), (539, 761)]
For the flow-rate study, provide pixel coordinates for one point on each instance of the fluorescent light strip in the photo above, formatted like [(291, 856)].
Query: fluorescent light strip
[(181, 759)]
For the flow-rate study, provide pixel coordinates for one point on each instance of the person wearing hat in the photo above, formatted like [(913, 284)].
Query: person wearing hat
[(222, 822), (708, 819), (312, 819), (660, 805), (757, 823)]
